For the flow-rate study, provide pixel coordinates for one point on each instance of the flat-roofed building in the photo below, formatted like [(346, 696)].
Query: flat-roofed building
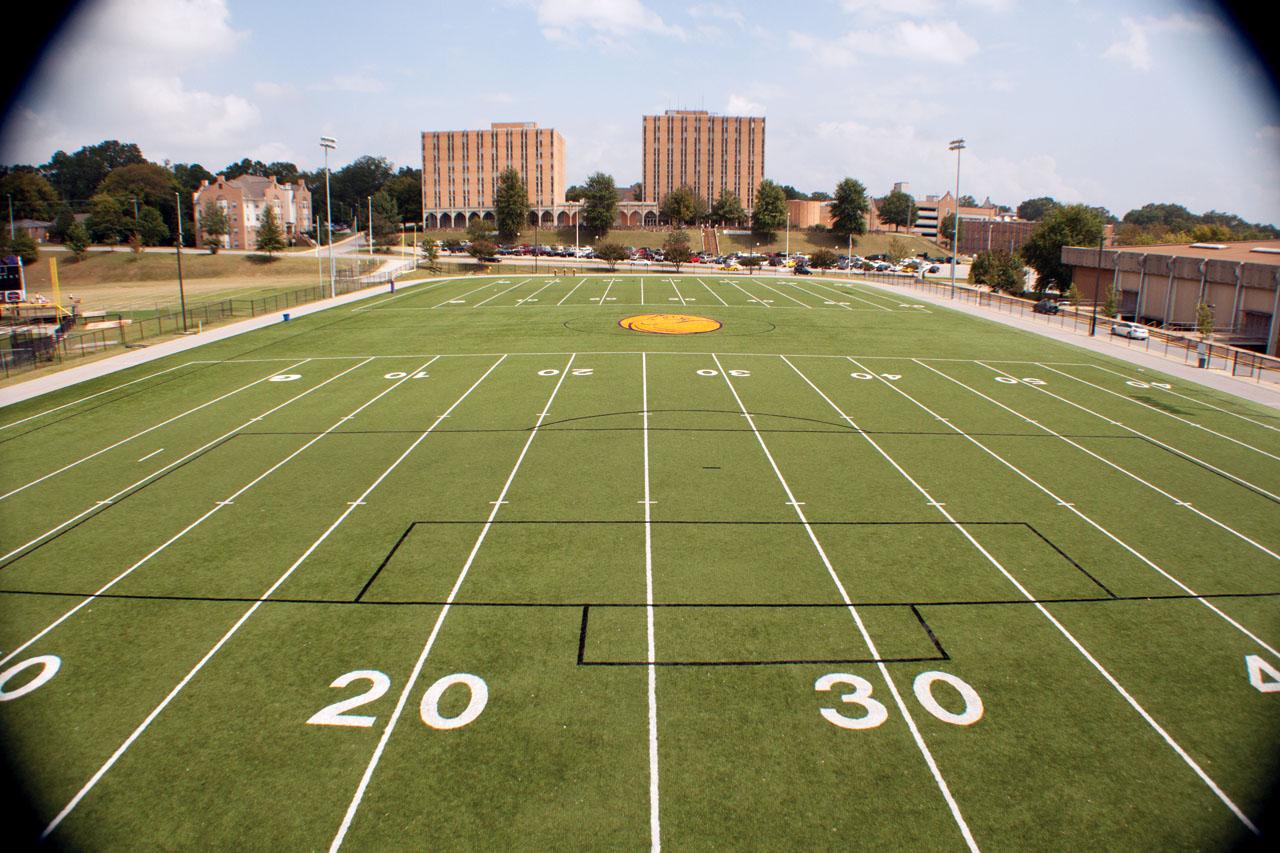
[(1163, 285), (460, 170), (707, 153)]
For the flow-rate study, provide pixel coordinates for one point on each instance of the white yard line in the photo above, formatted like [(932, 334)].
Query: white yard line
[(1133, 703), (857, 619), (712, 292), (501, 293), (463, 296), (531, 296), (655, 828), (571, 292), (142, 727), (852, 294), (165, 422), (641, 290), (679, 295), (99, 394), (406, 290), (158, 472), (1189, 398), (218, 505), (829, 300), (421, 662), (799, 302), (152, 453), (750, 298), (1177, 501), (1071, 507), (1154, 409), (607, 288)]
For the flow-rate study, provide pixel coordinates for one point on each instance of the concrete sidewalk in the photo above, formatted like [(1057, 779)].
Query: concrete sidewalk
[(1105, 344)]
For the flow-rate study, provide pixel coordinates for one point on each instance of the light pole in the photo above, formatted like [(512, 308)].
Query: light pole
[(182, 297), (371, 226), (957, 145), (328, 143), (787, 251)]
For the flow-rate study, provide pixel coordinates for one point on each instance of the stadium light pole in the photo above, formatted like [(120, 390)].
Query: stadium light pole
[(182, 297), (371, 226), (328, 143), (957, 145), (1097, 285)]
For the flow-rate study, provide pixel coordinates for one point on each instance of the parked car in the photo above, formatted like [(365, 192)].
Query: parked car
[(933, 269), (803, 270), (1046, 306), (1133, 331)]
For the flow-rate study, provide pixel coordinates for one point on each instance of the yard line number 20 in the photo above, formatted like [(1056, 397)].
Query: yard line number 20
[(428, 709)]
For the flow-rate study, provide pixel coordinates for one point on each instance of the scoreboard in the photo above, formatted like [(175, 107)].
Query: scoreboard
[(12, 282)]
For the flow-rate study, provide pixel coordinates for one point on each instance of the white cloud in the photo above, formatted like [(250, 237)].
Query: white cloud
[(740, 105), (719, 11), (942, 41), (358, 82), (268, 89), (606, 23), (1134, 49), (891, 8)]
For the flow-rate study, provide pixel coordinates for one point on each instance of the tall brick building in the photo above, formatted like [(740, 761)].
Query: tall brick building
[(707, 153), (460, 170)]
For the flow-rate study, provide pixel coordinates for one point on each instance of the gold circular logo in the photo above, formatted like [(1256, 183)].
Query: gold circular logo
[(669, 324)]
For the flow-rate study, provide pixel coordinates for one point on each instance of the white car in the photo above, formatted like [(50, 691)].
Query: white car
[(1130, 330)]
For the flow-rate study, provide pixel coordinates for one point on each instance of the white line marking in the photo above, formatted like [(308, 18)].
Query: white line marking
[(1087, 520), (152, 453), (412, 680), (674, 287), (532, 297), (500, 293), (712, 292), (801, 303), (1195, 400), (88, 786), (1213, 786), (607, 288), (1157, 410), (655, 828), (862, 629), (165, 422), (570, 293), (750, 298), (99, 394), (461, 298)]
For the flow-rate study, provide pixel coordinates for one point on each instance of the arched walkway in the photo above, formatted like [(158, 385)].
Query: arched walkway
[(547, 218), (651, 220), (562, 218)]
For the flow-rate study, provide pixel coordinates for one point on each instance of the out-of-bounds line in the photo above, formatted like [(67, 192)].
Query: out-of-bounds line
[(97, 505), (219, 505), (98, 394), (857, 619), (142, 727), (712, 292), (571, 292), (165, 422), (655, 825), (1191, 399), (1074, 510), (1137, 479), (1133, 703), (421, 662), (1223, 435)]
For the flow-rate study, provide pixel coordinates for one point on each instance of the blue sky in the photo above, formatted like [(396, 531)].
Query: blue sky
[(1113, 103)]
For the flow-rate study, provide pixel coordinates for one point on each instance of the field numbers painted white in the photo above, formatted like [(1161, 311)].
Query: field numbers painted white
[(1006, 380), (923, 686), (286, 377), (1137, 384), (577, 371), (876, 712), (400, 374), (1165, 385), (336, 714), (709, 372), (1262, 675), (429, 710), (892, 377), (49, 666), (1033, 381), (862, 375)]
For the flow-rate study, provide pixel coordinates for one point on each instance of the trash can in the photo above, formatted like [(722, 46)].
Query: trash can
[(1202, 356), (286, 316)]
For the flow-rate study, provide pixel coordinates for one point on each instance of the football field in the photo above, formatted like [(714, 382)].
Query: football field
[(518, 562)]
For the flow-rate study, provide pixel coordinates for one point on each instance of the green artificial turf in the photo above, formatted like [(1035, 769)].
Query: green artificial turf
[(489, 481)]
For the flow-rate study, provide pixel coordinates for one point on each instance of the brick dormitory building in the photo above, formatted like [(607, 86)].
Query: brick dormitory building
[(245, 199)]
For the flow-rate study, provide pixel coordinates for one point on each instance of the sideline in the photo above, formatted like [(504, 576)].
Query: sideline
[(1101, 344), (131, 358)]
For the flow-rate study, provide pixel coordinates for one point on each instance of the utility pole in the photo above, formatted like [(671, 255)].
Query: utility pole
[(1097, 283), (182, 297), (957, 145), (371, 226), (328, 143)]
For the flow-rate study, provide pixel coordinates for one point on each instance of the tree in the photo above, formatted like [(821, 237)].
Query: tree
[(431, 254), (898, 249), (819, 195), (1174, 217), (106, 220), (1204, 320), (511, 205), (898, 209), (386, 218), (823, 259), (481, 229), (770, 211), (33, 197), (683, 206), (1109, 304), (728, 208), (62, 223), (792, 194), (947, 229), (998, 270), (245, 167), (849, 210), (611, 254), (1072, 225), (76, 176), (751, 262), (967, 201), (599, 205), (77, 240), (1035, 209), (270, 237), (481, 249), (151, 228), (676, 248), (1073, 296), (21, 245), (352, 185), (214, 225), (575, 193), (406, 188)]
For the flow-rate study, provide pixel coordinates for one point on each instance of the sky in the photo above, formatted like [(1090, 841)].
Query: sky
[(1108, 102)]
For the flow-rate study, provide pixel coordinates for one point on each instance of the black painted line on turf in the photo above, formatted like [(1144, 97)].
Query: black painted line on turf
[(1070, 560), (385, 560), (101, 508), (582, 633), (932, 637), (1173, 451)]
